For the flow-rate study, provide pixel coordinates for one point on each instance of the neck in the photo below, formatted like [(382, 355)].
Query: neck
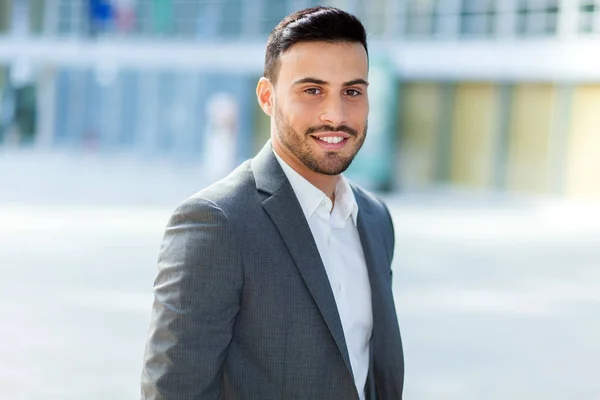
[(323, 182)]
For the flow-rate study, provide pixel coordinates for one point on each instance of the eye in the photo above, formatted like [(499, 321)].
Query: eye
[(313, 91), (353, 92)]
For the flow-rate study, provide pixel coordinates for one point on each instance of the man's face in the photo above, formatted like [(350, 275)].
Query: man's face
[(320, 104)]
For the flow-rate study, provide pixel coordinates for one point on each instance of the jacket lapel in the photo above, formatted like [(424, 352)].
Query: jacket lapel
[(370, 240), (386, 369), (286, 213)]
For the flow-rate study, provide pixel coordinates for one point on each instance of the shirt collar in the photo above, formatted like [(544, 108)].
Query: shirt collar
[(310, 197), (344, 198)]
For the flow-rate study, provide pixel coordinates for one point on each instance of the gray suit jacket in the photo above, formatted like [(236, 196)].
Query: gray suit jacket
[(243, 308)]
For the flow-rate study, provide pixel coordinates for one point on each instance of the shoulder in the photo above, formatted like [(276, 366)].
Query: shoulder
[(366, 198), (380, 214), (225, 196)]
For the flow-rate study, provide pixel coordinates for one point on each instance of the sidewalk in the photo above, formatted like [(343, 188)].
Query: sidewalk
[(487, 285)]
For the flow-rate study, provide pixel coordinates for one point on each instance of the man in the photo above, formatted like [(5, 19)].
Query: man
[(275, 283)]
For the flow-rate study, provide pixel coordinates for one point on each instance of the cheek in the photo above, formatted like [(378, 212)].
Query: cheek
[(304, 109), (301, 116), (358, 113)]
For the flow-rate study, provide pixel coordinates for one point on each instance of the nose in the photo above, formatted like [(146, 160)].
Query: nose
[(334, 111)]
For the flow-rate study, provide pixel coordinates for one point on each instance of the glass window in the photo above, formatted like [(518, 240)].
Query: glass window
[(185, 18), (36, 16), (142, 17), (537, 17), (162, 18), (64, 17), (373, 15), (589, 16), (75, 18), (273, 12), (420, 17), (232, 18), (4, 14), (477, 17), (433, 18)]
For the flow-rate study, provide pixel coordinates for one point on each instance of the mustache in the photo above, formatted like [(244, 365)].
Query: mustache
[(328, 128)]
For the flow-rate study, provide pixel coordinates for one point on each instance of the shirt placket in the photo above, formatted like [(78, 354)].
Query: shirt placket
[(325, 213)]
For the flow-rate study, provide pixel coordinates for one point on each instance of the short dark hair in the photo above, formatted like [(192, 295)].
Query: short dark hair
[(315, 24)]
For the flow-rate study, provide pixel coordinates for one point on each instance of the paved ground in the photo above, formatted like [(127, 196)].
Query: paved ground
[(498, 297)]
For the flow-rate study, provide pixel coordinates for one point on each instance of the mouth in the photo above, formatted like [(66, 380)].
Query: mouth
[(331, 141)]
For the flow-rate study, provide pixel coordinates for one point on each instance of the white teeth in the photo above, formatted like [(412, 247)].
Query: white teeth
[(332, 139)]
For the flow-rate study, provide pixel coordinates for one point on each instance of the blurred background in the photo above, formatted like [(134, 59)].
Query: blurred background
[(484, 138)]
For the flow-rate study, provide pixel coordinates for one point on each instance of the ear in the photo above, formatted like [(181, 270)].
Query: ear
[(264, 94)]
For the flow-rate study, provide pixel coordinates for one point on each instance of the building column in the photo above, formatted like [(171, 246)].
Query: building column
[(447, 19), (46, 107), (568, 17), (506, 19), (50, 23), (395, 19)]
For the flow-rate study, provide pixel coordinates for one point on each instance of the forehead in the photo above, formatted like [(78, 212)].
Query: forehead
[(331, 62)]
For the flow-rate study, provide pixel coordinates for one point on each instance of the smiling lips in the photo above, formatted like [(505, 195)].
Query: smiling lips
[(331, 140)]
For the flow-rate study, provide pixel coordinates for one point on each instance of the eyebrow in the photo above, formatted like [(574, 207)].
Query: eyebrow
[(322, 82), (356, 82)]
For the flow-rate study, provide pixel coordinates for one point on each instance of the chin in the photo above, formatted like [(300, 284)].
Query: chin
[(330, 169)]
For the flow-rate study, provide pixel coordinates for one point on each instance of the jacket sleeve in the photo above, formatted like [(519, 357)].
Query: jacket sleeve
[(196, 300)]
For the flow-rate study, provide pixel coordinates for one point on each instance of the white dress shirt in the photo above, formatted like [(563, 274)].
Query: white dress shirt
[(336, 235)]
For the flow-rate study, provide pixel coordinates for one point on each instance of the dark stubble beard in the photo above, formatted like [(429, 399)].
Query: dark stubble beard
[(298, 144)]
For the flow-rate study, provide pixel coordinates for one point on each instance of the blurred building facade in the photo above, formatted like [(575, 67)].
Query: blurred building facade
[(491, 94)]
